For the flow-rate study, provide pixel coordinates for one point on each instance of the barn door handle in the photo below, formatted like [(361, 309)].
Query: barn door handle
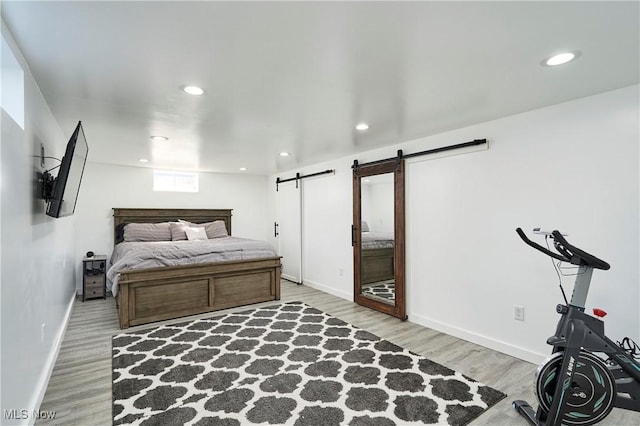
[(275, 229), (353, 235)]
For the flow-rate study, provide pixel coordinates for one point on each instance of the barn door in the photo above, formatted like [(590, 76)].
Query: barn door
[(289, 229)]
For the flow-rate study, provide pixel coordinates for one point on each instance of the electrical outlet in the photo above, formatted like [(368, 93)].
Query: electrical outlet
[(518, 312), (340, 271)]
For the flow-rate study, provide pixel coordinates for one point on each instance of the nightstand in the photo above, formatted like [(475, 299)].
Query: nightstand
[(94, 277)]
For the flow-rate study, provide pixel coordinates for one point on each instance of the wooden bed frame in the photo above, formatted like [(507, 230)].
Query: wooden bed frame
[(154, 294)]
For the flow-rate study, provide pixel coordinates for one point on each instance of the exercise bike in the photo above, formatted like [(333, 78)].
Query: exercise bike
[(574, 386)]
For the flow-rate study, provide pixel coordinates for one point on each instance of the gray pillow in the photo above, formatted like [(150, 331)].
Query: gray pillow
[(178, 231), (147, 232), (365, 226)]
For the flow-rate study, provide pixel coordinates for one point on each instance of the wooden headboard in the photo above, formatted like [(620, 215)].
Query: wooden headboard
[(170, 215)]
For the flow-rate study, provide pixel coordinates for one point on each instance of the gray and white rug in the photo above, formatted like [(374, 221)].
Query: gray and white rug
[(283, 364)]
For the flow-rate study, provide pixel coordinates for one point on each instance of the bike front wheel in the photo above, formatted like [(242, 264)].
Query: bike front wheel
[(591, 394)]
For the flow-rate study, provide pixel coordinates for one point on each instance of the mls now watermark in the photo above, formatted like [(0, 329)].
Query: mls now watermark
[(23, 414)]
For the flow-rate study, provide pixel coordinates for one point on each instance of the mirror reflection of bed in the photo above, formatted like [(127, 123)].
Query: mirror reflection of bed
[(377, 265)]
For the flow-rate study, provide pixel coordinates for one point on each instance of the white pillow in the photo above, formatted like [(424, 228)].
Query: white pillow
[(195, 233)]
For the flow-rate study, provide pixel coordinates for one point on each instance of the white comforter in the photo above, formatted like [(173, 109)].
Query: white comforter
[(137, 255)]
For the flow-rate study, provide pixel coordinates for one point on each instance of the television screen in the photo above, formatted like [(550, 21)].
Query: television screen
[(67, 183)]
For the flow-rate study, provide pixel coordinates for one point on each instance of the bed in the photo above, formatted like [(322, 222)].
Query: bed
[(377, 257), (166, 292)]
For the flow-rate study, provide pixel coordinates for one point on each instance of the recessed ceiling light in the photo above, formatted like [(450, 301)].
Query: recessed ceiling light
[(560, 58), (284, 154), (362, 126), (143, 160), (193, 90), (242, 169), (159, 138)]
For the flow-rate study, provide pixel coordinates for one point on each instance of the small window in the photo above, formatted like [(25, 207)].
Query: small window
[(175, 181), (12, 98)]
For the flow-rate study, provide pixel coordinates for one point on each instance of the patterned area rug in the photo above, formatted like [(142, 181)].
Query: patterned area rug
[(283, 364)]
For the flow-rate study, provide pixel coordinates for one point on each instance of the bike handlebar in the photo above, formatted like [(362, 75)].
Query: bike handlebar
[(567, 252), (539, 247)]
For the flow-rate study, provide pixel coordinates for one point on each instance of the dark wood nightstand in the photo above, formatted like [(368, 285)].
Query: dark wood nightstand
[(94, 277)]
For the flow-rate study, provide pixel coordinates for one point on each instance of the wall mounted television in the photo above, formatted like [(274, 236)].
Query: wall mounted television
[(65, 187)]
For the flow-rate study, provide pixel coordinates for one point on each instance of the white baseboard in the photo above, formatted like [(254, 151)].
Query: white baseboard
[(51, 362), (479, 339), (488, 342), (290, 278), (330, 290)]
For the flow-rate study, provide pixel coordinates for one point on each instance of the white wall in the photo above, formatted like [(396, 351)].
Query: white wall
[(37, 255), (377, 202), (572, 166), (107, 186)]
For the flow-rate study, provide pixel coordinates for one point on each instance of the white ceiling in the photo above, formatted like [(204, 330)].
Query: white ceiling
[(297, 77)]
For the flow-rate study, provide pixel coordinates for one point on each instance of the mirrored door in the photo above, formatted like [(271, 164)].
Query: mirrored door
[(378, 236)]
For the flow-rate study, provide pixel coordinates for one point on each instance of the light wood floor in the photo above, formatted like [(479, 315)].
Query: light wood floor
[(80, 387)]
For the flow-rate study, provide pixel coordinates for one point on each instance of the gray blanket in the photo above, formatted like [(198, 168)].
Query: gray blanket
[(374, 240), (142, 255)]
